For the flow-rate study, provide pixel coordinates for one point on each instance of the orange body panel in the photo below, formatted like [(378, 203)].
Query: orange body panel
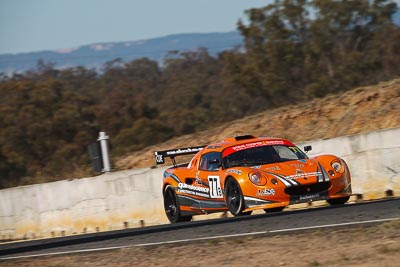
[(200, 186)]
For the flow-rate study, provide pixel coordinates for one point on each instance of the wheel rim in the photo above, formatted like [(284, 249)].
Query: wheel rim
[(234, 197)]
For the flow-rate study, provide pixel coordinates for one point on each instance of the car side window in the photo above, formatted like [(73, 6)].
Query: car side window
[(210, 161)]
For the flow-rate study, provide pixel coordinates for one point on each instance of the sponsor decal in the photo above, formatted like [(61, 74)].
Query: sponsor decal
[(160, 155), (302, 174), (236, 148), (193, 187), (308, 197), (297, 165), (273, 168), (266, 192), (246, 146), (183, 150), (235, 171), (257, 144), (159, 158), (193, 190), (213, 147)]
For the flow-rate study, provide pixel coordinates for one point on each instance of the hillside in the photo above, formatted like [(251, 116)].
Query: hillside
[(362, 109), (95, 55)]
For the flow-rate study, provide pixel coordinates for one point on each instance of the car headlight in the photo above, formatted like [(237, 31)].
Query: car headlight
[(257, 178), (337, 166)]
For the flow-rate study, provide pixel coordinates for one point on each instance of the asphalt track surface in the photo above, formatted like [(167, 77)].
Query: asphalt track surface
[(347, 216)]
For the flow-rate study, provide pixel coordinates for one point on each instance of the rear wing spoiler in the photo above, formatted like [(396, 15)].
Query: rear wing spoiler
[(161, 155)]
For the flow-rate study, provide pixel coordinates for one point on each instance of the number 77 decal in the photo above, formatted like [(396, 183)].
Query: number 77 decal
[(215, 187)]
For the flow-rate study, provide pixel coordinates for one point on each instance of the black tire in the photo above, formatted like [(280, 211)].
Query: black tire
[(234, 198), (338, 201), (172, 207), (277, 209)]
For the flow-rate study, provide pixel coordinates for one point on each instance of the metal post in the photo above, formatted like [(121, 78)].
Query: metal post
[(104, 151)]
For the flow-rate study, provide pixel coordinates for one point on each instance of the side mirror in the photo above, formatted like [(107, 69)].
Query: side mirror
[(307, 148)]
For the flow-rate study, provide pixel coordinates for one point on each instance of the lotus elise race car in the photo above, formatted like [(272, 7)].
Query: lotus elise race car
[(245, 173)]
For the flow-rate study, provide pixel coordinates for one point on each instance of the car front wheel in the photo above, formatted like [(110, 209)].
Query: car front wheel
[(234, 198)]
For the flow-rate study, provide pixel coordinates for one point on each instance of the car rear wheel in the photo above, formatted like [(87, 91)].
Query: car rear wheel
[(234, 198), (172, 207), (338, 201)]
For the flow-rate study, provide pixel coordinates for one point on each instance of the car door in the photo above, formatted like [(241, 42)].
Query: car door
[(209, 175)]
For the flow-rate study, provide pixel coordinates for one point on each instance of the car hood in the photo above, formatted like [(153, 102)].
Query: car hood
[(296, 172)]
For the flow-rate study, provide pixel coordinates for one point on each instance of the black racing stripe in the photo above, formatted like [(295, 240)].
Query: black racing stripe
[(188, 201), (212, 204), (293, 181), (199, 204)]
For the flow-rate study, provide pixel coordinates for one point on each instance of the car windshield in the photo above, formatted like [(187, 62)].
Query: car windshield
[(263, 155)]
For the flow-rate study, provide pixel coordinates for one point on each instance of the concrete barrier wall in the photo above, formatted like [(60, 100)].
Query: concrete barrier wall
[(110, 201), (133, 197)]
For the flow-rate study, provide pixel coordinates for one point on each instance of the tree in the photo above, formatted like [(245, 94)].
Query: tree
[(291, 53)]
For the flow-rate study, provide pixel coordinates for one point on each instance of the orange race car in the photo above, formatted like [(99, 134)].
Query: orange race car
[(245, 173)]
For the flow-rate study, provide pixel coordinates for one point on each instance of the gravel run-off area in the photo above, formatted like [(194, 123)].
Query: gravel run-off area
[(377, 245)]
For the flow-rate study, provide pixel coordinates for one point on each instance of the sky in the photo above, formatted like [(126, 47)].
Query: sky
[(37, 25)]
